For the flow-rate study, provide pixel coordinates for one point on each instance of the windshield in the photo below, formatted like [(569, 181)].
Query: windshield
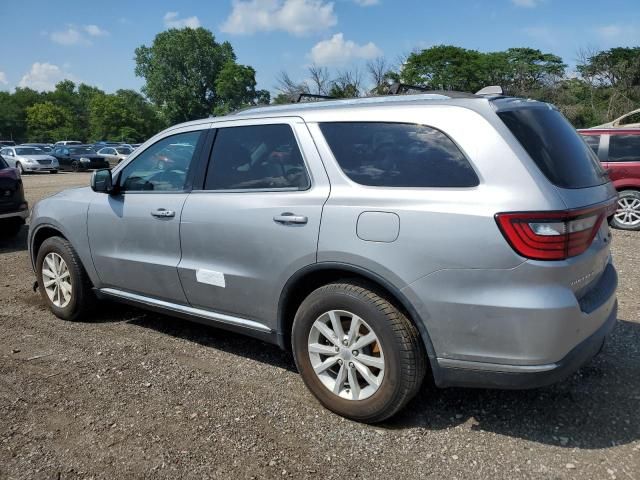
[(555, 146), (124, 150), (29, 151), (80, 150)]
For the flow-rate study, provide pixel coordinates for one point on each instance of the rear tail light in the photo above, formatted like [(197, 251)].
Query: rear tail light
[(552, 235), (10, 173)]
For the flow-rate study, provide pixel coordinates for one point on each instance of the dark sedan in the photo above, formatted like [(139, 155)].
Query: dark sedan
[(13, 207), (78, 158)]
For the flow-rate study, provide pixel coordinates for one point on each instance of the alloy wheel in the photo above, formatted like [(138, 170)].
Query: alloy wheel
[(56, 280), (346, 355), (628, 213)]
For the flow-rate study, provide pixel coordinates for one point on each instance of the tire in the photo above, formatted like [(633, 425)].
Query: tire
[(627, 217), (20, 168), (53, 171), (397, 347), (10, 227), (81, 299), (75, 166)]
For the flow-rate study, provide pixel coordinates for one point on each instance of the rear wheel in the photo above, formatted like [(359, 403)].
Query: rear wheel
[(627, 217), (75, 166), (64, 285), (357, 353), (54, 171)]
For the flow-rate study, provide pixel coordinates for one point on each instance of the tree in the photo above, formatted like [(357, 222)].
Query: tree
[(618, 67), (181, 70), (381, 75), (289, 90), (123, 116), (348, 84), (319, 78), (236, 86), (47, 122)]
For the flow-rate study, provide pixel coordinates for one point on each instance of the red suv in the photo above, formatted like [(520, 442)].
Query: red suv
[(619, 151)]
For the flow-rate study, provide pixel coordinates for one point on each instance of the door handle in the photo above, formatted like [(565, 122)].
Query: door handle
[(289, 218), (163, 213)]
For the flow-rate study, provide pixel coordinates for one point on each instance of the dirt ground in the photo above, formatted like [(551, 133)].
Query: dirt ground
[(140, 395)]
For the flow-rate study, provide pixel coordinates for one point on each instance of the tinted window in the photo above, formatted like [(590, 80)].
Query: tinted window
[(624, 148), (256, 157), (593, 141), (81, 150), (398, 155), (3, 164), (163, 166), (555, 147)]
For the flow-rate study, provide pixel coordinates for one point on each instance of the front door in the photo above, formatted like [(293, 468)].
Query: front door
[(135, 233), (256, 220)]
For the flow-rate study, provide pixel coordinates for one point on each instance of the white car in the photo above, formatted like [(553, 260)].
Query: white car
[(115, 155), (628, 120), (67, 142), (30, 159)]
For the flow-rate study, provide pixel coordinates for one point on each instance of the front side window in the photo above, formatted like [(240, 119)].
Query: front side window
[(624, 148), (256, 157), (163, 166), (398, 155)]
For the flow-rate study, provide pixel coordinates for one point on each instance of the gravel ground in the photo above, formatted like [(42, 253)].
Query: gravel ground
[(136, 394)]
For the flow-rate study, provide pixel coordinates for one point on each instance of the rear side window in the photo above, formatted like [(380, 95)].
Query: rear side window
[(624, 148), (261, 157), (593, 141), (398, 155), (555, 147), (3, 164)]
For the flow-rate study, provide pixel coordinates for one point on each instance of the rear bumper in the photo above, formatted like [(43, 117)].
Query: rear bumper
[(457, 373)]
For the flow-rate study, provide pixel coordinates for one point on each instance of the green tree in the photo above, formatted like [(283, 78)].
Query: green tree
[(123, 116), (181, 70), (235, 87), (48, 122)]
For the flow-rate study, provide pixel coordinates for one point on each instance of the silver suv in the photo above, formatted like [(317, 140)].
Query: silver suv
[(380, 239)]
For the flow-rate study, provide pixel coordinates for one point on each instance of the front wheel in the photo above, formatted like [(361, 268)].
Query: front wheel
[(20, 168), (64, 285), (53, 171), (357, 353), (75, 166), (627, 217)]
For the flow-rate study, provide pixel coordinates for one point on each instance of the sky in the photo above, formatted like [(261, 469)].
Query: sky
[(43, 42)]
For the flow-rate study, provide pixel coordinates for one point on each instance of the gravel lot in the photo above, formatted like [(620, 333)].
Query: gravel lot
[(137, 394)]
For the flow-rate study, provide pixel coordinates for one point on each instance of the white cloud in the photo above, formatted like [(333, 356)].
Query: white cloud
[(172, 20), (526, 3), (43, 76), (3, 78), (367, 3), (95, 31), (298, 17), (338, 51), (70, 36), (618, 33), (74, 35)]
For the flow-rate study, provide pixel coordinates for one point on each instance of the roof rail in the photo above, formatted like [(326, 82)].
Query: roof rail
[(400, 88), (490, 90), (313, 95)]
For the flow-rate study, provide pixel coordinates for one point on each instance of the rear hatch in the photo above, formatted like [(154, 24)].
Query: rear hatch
[(577, 237), (11, 192)]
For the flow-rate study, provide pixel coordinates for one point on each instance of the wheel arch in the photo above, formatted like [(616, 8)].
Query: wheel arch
[(38, 237), (306, 280)]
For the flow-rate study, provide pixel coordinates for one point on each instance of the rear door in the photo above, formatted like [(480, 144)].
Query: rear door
[(255, 220)]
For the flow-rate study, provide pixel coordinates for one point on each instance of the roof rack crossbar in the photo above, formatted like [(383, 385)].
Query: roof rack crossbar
[(399, 88), (313, 95)]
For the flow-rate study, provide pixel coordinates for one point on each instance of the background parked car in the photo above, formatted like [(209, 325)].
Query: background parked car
[(13, 207), (78, 157), (68, 142), (7, 143), (115, 155), (29, 159), (628, 120), (619, 151), (45, 147)]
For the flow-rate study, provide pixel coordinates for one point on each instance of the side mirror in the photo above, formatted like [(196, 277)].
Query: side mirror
[(101, 181)]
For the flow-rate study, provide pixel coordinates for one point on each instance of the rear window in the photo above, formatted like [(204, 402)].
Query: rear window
[(593, 141), (624, 148), (555, 147), (398, 155)]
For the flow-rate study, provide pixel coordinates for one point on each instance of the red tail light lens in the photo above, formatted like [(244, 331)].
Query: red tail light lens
[(10, 173), (552, 235)]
